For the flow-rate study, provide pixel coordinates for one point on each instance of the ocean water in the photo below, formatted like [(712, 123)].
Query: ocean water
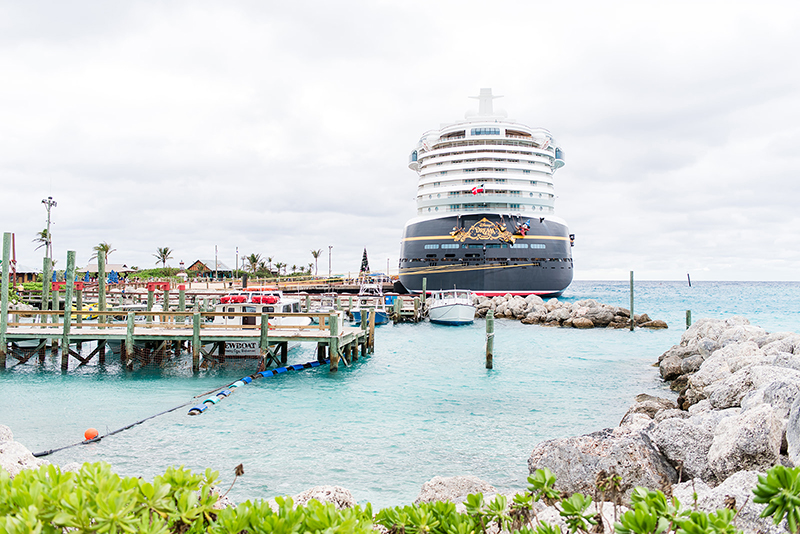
[(422, 405)]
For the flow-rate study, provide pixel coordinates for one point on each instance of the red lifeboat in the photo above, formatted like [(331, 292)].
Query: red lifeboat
[(256, 299), (269, 299), (226, 299), (238, 299)]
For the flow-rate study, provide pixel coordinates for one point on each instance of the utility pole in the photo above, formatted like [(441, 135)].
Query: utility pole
[(329, 263), (48, 248)]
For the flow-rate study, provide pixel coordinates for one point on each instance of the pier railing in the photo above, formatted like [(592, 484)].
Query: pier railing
[(160, 319)]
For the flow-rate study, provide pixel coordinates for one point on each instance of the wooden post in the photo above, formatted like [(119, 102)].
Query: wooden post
[(398, 309), (79, 318), (182, 301), (101, 285), (129, 337), (263, 341), (308, 303), (70, 276), (195, 342), (320, 352), (372, 314), (489, 339), (166, 302), (333, 346), (633, 321), (150, 300), (688, 318), (55, 305), (416, 308), (4, 300), (284, 352), (424, 290), (46, 276)]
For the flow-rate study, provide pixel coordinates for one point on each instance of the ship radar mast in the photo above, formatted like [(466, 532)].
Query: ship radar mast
[(484, 99)]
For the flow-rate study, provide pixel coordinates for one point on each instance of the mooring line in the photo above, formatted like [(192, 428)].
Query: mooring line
[(228, 389)]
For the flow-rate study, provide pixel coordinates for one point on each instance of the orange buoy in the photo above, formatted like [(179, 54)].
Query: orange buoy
[(90, 433)]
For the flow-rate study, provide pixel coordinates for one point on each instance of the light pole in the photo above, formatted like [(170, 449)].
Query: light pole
[(48, 248), (329, 263)]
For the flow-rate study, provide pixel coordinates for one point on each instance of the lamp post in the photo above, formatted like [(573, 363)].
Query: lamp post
[(329, 263)]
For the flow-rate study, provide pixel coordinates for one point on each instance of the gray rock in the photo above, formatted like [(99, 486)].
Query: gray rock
[(691, 364), (733, 389), (670, 414), (738, 486), (600, 316), (749, 441), (793, 433), (577, 461), (453, 489), (14, 457), (339, 496), (582, 322), (686, 446), (670, 367)]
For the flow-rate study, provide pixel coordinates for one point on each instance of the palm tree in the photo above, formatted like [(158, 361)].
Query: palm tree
[(279, 266), (315, 254), (269, 263), (162, 255), (294, 269), (43, 238), (253, 261), (103, 247)]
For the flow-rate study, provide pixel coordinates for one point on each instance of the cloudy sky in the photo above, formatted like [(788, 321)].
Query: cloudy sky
[(285, 127)]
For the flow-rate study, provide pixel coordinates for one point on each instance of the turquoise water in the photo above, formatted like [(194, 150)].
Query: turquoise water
[(422, 405)]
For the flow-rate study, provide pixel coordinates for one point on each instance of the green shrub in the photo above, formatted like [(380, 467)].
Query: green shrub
[(94, 499)]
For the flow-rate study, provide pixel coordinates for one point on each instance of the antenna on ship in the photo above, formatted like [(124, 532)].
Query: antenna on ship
[(485, 101)]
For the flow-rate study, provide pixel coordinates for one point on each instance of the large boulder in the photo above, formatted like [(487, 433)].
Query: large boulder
[(599, 315), (737, 490), (339, 496), (576, 462), (685, 445), (793, 433), (749, 441), (453, 489), (14, 457)]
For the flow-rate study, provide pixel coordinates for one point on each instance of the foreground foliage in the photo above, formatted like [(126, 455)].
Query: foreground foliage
[(94, 499)]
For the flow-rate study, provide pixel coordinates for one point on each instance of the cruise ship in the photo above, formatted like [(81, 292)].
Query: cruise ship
[(486, 209)]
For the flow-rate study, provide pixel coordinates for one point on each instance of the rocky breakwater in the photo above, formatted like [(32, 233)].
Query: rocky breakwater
[(553, 312), (737, 414)]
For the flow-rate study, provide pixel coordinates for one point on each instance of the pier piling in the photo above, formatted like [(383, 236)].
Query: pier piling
[(4, 300), (633, 321), (688, 318), (333, 348), (490, 339), (70, 285), (101, 286)]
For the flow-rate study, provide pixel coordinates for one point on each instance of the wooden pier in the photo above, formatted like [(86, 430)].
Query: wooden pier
[(153, 335)]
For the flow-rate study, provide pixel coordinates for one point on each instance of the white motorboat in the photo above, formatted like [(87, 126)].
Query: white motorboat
[(370, 295), (451, 307)]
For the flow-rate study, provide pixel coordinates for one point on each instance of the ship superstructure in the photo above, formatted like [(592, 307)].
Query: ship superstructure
[(486, 209)]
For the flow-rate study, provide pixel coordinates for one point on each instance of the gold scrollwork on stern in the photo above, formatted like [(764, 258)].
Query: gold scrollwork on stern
[(483, 229)]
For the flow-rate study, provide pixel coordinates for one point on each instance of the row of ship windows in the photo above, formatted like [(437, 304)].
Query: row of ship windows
[(477, 207), (473, 257), (496, 192), (547, 154), (487, 245), (489, 181)]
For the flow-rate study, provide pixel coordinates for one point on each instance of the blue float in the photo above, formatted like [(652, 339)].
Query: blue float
[(280, 370), (247, 380)]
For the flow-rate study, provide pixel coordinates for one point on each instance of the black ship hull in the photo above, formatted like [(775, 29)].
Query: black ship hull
[(488, 254)]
